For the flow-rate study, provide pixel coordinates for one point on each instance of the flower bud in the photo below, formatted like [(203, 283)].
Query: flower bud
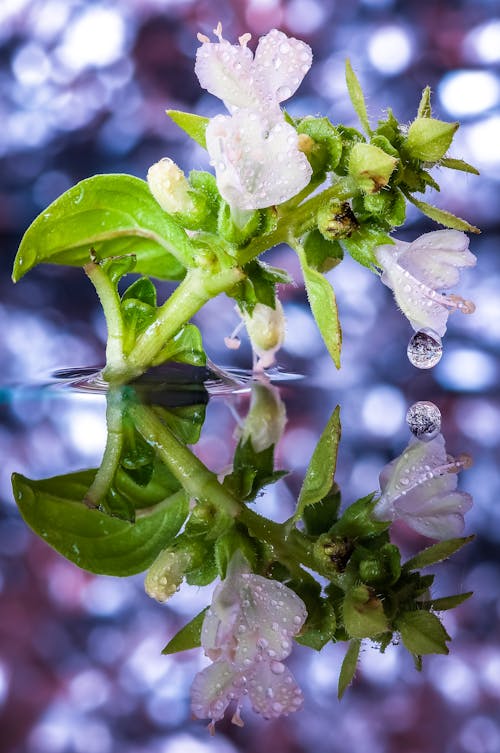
[(166, 573), (266, 329), (429, 139), (170, 187), (370, 167), (336, 220)]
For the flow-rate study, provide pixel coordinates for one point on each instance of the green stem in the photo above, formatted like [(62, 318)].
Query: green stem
[(110, 302), (198, 287), (112, 452)]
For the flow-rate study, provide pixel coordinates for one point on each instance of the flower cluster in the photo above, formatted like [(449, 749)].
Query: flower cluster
[(420, 488), (247, 632), (254, 151), (415, 271)]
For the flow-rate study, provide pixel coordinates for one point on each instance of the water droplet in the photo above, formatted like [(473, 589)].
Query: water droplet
[(424, 420), (425, 349), (283, 92), (277, 667)]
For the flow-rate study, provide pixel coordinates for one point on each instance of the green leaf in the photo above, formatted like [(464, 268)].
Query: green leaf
[(458, 164), (323, 306), (322, 254), (436, 553), (194, 125), (185, 421), (423, 633), (236, 539), (143, 290), (114, 215), (348, 669), (55, 510), (363, 613), (429, 139), (320, 625), (442, 216), (357, 97), (117, 267), (252, 471), (321, 469), (185, 347), (319, 517), (357, 520), (446, 602), (188, 637)]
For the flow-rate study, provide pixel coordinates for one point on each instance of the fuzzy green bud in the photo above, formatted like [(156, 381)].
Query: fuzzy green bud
[(370, 167), (363, 613), (165, 575), (336, 220), (428, 139), (333, 552)]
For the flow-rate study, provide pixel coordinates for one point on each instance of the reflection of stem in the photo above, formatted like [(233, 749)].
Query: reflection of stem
[(114, 443), (110, 301)]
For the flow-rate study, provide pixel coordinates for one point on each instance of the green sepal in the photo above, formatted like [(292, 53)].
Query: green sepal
[(323, 306), (185, 347), (428, 139), (363, 613), (321, 622), (194, 125), (370, 167), (350, 136), (252, 471), (348, 668), (357, 522), (458, 164), (94, 541), (442, 216), (112, 215), (326, 149), (386, 208), (321, 469), (423, 633), (362, 244), (356, 96), (233, 232), (378, 565), (436, 553), (424, 108), (236, 539), (259, 286), (188, 637)]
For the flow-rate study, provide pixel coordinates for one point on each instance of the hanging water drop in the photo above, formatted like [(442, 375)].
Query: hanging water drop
[(425, 349), (424, 420)]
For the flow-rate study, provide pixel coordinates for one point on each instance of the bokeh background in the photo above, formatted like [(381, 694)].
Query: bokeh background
[(83, 89)]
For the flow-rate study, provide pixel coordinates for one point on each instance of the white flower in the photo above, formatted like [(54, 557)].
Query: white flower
[(255, 152), (247, 632), (419, 487), (415, 271), (266, 330)]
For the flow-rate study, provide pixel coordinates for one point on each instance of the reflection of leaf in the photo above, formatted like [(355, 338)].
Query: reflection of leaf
[(321, 469), (348, 669), (54, 509), (252, 471), (115, 215), (188, 637)]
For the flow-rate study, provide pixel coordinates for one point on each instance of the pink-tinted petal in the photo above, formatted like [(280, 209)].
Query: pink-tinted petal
[(436, 258), (213, 689), (273, 691), (257, 161), (225, 70), (281, 63)]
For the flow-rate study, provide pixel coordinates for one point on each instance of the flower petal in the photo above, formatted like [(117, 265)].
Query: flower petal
[(273, 691), (442, 517), (225, 70), (281, 63), (257, 160), (213, 689), (435, 258)]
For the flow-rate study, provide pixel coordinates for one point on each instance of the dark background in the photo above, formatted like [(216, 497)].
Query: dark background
[(83, 89)]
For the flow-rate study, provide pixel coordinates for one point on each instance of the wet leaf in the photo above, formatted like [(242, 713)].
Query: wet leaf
[(348, 669), (188, 637), (436, 553), (442, 216), (113, 214), (423, 633), (194, 125)]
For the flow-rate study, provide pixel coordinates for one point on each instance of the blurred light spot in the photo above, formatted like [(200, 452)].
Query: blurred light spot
[(383, 410), (183, 743), (297, 446), (483, 42), (145, 666), (105, 644), (4, 683), (85, 428), (49, 18), (484, 144), (468, 92), (304, 16), (455, 680), (490, 672), (377, 3), (106, 596), (89, 690), (365, 473), (92, 737), (381, 669), (97, 37), (480, 735), (466, 369), (14, 537), (390, 49), (302, 336), (480, 420), (30, 65)]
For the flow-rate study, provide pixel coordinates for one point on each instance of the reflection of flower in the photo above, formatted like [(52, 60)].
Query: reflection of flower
[(265, 421), (415, 271), (254, 151), (247, 633), (419, 487)]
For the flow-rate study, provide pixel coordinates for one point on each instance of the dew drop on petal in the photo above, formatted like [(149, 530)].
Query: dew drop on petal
[(424, 420), (283, 92), (425, 349)]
